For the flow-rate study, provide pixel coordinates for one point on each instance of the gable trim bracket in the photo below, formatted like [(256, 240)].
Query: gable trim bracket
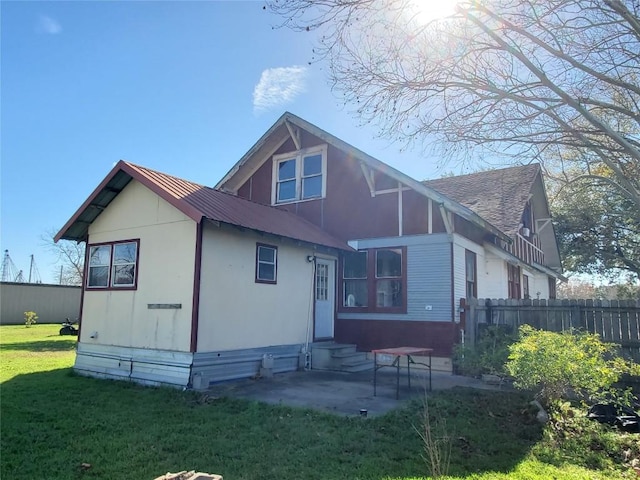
[(446, 218), (368, 173), (295, 134), (541, 223)]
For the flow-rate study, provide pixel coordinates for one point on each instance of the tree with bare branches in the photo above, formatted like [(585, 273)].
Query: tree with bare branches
[(554, 81), (70, 258)]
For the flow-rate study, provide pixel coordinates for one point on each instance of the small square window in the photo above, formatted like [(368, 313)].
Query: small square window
[(266, 263)]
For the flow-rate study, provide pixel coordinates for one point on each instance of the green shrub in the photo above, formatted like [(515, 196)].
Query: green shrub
[(30, 318), (489, 354), (556, 365)]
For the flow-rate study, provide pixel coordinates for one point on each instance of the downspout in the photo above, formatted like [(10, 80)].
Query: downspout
[(195, 305), (306, 352), (84, 279)]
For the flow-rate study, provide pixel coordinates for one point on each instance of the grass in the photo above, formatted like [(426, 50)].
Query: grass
[(53, 421)]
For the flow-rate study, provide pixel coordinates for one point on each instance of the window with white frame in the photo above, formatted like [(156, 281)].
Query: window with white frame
[(266, 263), (300, 175), (113, 265)]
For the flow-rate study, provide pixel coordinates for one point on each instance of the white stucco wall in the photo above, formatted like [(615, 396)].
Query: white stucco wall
[(238, 313), (165, 275)]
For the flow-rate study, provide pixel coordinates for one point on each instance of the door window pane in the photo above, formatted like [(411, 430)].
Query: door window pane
[(322, 281)]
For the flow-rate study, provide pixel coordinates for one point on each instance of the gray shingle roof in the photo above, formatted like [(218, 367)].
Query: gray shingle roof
[(498, 196)]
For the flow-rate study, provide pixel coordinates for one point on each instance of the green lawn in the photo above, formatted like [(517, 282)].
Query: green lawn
[(53, 421)]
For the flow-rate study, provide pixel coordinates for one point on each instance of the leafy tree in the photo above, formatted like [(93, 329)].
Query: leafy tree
[(556, 81), (598, 230), (557, 364)]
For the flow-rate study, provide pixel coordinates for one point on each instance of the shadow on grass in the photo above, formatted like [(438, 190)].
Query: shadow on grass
[(164, 429), (42, 345)]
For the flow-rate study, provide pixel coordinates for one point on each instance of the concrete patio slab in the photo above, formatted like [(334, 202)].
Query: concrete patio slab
[(344, 394)]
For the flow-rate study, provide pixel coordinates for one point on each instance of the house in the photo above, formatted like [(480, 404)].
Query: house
[(306, 239)]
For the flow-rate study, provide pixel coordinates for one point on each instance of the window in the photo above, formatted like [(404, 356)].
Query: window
[(266, 263), (389, 278), (470, 274), (300, 175), (513, 273), (113, 265), (525, 286), (552, 287), (354, 276), (374, 280)]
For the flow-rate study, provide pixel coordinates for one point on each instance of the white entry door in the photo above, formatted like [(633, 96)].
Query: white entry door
[(325, 298)]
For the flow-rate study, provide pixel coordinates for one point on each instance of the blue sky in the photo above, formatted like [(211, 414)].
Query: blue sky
[(181, 87)]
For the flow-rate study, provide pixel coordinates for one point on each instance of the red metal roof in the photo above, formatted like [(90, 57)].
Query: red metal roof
[(198, 202)]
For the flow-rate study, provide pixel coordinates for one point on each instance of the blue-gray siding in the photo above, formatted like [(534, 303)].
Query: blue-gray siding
[(429, 280)]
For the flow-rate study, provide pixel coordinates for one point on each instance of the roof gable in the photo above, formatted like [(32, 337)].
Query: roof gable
[(499, 196), (198, 202), (284, 128)]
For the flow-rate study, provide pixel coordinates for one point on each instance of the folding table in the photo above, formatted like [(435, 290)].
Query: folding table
[(398, 353)]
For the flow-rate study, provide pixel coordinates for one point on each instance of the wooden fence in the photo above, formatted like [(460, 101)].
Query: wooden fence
[(616, 321)]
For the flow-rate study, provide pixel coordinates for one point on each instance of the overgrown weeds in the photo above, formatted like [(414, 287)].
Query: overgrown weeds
[(436, 441)]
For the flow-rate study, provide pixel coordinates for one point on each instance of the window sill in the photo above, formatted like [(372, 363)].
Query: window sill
[(289, 202), (110, 289), (394, 310)]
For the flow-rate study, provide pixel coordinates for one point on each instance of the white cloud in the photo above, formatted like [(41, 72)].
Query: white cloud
[(49, 25), (279, 86)]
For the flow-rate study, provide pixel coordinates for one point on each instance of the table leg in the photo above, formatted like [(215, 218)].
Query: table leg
[(409, 371), (397, 378), (375, 372), (429, 371)]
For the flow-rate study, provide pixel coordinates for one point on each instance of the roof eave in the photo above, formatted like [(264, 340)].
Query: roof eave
[(135, 174)]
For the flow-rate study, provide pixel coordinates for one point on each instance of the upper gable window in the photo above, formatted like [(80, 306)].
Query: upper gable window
[(300, 175)]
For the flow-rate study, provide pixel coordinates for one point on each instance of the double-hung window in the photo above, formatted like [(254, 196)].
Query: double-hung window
[(389, 277), (513, 273), (354, 275), (374, 280), (470, 274), (113, 265), (266, 263), (300, 175)]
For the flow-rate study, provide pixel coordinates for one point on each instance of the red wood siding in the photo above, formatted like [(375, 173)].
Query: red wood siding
[(415, 213), (348, 211), (370, 334)]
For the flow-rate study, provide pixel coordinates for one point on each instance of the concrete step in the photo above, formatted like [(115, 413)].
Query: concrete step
[(361, 366), (339, 357)]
